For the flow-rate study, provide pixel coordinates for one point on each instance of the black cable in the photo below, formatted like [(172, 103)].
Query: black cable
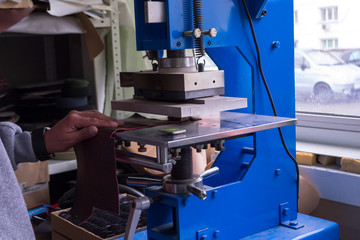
[(130, 190), (269, 93)]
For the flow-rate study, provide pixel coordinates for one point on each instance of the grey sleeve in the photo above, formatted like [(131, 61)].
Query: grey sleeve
[(17, 144)]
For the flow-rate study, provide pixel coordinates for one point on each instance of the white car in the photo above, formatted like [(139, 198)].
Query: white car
[(323, 74)]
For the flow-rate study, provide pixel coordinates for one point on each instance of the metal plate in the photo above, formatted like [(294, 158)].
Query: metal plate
[(178, 80), (192, 108), (226, 125), (177, 95)]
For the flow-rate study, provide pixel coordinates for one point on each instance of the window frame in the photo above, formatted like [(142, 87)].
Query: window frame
[(325, 134), (326, 41), (326, 11)]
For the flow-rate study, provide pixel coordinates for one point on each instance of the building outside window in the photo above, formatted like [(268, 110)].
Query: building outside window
[(329, 14)]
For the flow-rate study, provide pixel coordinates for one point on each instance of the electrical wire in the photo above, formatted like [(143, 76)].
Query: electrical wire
[(269, 93)]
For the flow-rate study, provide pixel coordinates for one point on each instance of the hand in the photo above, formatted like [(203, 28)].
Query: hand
[(74, 128)]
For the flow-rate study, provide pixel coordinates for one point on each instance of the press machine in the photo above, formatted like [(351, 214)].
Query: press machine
[(251, 191)]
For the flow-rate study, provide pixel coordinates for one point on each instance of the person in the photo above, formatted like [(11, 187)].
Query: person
[(17, 146)]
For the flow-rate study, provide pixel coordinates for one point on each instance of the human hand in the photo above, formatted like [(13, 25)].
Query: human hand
[(76, 127)]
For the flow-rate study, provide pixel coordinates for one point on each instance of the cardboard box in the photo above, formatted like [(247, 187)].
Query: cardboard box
[(62, 229), (201, 161), (34, 182), (347, 216)]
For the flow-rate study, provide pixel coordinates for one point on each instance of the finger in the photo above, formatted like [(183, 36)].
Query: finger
[(83, 134), (89, 121), (78, 120), (96, 114)]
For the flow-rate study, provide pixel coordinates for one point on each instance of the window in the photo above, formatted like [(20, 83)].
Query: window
[(327, 87), (329, 43), (355, 57), (329, 14)]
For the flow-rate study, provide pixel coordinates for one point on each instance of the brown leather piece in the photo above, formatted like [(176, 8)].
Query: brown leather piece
[(9, 17), (96, 184)]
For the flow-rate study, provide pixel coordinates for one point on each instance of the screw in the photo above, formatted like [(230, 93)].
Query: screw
[(209, 43), (293, 223), (196, 33), (203, 237), (216, 233), (142, 148), (212, 32), (178, 44), (277, 172), (276, 44), (127, 143), (199, 147), (285, 211), (213, 194), (184, 201), (263, 13)]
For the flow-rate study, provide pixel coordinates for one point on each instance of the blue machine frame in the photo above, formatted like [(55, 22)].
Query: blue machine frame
[(256, 188)]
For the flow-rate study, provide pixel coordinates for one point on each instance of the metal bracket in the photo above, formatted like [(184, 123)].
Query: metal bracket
[(285, 217), (256, 7), (203, 234)]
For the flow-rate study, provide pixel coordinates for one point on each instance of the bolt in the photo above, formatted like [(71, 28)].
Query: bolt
[(213, 194), (212, 32), (209, 43), (293, 223), (184, 201), (285, 211), (127, 143), (263, 13), (216, 233), (142, 148), (155, 67), (199, 147), (178, 44), (277, 172), (276, 44), (203, 237), (219, 145), (196, 33)]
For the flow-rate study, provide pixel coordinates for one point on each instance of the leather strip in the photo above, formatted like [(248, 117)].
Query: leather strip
[(97, 184)]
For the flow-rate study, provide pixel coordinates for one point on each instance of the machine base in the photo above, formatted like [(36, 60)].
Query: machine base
[(314, 229)]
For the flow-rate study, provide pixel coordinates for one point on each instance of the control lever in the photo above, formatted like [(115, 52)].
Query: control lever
[(199, 192), (137, 205), (210, 172)]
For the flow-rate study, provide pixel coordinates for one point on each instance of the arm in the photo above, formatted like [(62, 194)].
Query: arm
[(17, 144), (74, 128)]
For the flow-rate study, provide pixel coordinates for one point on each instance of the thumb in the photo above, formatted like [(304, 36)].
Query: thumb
[(84, 134)]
